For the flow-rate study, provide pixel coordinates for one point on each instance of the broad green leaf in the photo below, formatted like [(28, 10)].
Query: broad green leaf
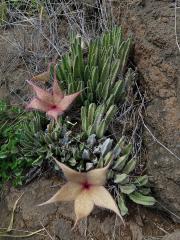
[(127, 189), (121, 178), (130, 166), (122, 205), (142, 199), (120, 162), (128, 149), (141, 181)]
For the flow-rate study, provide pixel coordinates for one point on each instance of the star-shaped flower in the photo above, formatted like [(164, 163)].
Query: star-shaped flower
[(54, 103), (86, 190)]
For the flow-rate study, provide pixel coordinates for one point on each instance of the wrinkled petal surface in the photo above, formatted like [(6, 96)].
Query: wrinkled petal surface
[(57, 92), (70, 174), (67, 100), (83, 205), (103, 198), (68, 192), (42, 94), (39, 105), (97, 176)]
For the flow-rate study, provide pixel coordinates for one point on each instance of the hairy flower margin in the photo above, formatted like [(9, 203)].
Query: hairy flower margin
[(53, 103), (86, 189)]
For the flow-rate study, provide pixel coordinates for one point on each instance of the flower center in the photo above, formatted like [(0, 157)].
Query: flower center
[(53, 107), (86, 185)]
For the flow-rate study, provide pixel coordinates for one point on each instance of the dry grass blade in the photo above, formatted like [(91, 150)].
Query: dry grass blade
[(22, 236), (12, 216)]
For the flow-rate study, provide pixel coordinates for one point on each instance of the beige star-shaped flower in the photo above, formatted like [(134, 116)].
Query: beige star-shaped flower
[(86, 190)]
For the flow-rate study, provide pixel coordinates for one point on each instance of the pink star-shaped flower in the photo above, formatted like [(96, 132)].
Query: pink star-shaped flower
[(54, 103)]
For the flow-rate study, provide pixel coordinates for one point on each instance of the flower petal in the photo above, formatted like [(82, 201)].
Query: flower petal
[(70, 174), (38, 104), (97, 176), (57, 92), (67, 100), (83, 205), (103, 198), (68, 192), (54, 113), (42, 94)]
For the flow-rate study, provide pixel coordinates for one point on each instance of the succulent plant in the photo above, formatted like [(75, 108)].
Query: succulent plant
[(100, 72), (41, 139), (89, 149), (96, 119), (98, 152)]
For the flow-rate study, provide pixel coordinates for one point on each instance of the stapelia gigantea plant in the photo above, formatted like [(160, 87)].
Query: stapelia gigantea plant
[(98, 69), (91, 148), (100, 74)]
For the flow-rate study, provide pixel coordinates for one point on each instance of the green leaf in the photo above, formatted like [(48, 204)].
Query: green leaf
[(127, 189), (90, 130), (110, 114), (99, 90), (108, 158), (141, 181), (130, 166), (125, 54), (105, 90), (91, 113), (142, 199), (94, 78), (118, 90), (101, 129), (122, 205), (99, 115), (76, 68), (120, 162), (105, 72), (120, 143), (115, 70), (128, 149), (121, 178), (84, 118), (60, 72), (110, 100)]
